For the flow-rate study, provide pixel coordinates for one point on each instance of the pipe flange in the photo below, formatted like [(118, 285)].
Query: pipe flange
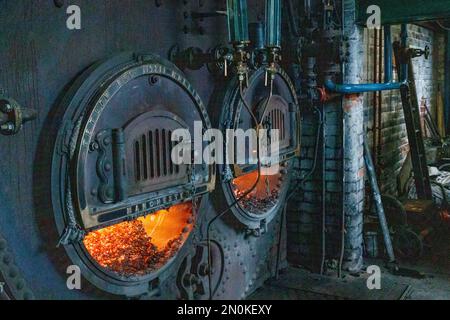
[(13, 116)]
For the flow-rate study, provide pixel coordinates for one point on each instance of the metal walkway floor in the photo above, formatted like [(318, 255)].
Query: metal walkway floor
[(299, 284)]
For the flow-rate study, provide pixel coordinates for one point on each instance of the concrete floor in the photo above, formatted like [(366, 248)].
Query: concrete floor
[(426, 279)]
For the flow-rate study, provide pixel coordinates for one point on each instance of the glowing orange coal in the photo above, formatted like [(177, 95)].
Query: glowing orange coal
[(266, 184), (143, 245), (263, 197)]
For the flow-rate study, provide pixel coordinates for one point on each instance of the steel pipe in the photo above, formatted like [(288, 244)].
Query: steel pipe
[(374, 87), (378, 202)]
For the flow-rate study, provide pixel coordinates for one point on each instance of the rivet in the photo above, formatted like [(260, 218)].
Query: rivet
[(93, 146), (6, 259), (20, 284), (13, 272), (153, 80)]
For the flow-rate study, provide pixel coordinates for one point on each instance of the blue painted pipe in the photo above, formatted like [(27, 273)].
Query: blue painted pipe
[(404, 41), (447, 83), (374, 87), (361, 88), (387, 54)]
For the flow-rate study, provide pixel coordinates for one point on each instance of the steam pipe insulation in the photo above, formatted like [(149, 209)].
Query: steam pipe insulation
[(353, 153)]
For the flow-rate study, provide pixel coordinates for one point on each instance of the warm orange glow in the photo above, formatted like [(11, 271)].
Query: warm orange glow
[(265, 194), (246, 181), (143, 245)]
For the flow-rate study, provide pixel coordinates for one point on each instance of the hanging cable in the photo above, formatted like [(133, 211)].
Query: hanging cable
[(299, 185), (208, 237)]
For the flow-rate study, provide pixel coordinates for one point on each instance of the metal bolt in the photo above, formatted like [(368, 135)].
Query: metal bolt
[(20, 284), (108, 166), (7, 127), (6, 259), (93, 146), (153, 80), (13, 272), (7, 108)]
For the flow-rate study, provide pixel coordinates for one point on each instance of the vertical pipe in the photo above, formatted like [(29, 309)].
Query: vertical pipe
[(257, 35), (379, 96), (404, 42), (353, 154), (273, 23), (387, 54), (375, 80), (378, 203), (324, 194), (447, 83), (237, 21)]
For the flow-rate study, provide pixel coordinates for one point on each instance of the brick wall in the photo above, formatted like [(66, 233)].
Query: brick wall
[(304, 211), (429, 76)]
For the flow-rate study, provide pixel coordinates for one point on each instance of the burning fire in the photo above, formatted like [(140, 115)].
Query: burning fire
[(144, 245), (265, 194)]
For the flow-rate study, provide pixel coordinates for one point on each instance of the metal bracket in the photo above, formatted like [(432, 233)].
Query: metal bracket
[(417, 52), (13, 116), (217, 59)]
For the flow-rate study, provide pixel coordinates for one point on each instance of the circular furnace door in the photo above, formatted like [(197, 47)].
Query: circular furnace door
[(124, 209), (256, 195)]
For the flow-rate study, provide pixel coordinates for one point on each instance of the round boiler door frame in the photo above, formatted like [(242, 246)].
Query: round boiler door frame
[(76, 102), (230, 100)]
